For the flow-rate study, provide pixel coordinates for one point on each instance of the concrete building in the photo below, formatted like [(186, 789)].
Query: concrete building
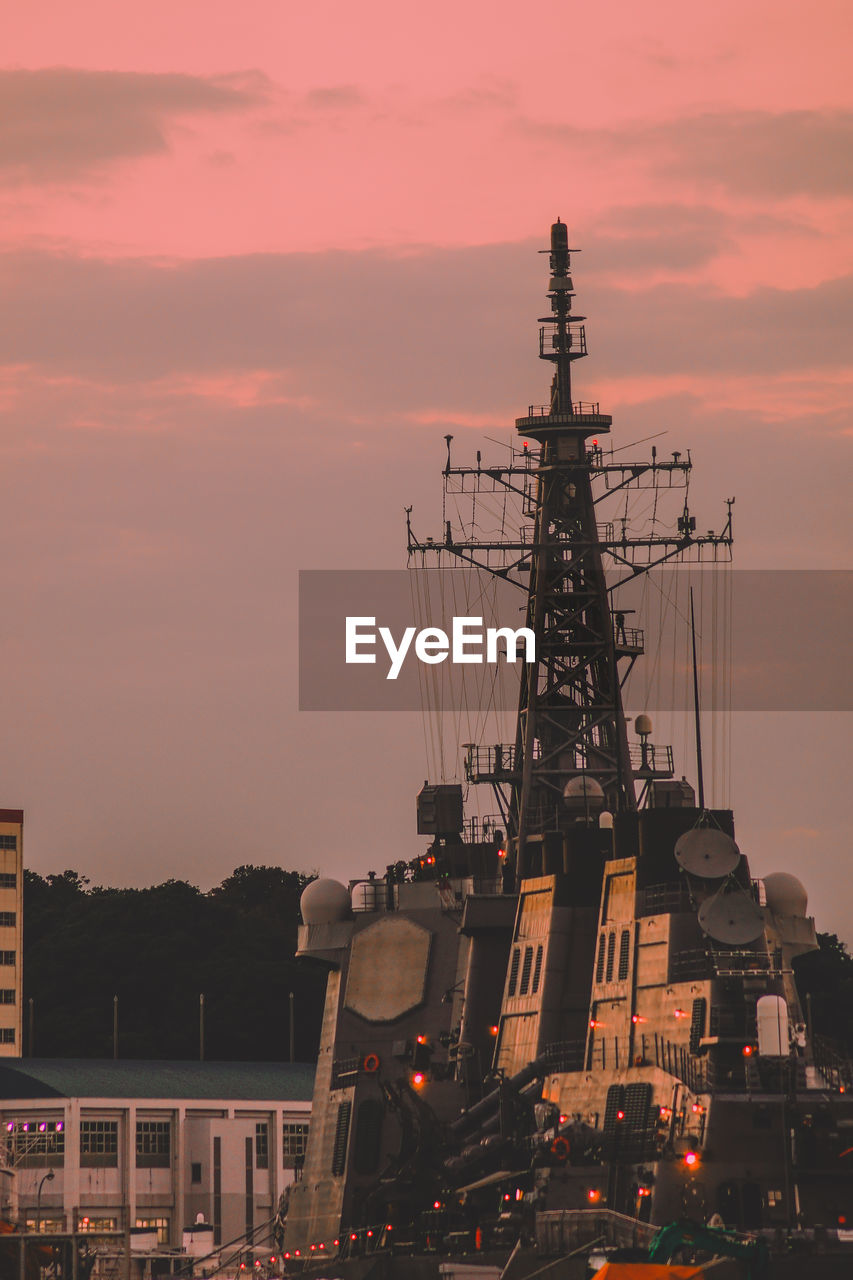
[(154, 1144), (11, 930)]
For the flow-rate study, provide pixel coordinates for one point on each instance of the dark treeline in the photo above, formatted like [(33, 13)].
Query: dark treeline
[(157, 949)]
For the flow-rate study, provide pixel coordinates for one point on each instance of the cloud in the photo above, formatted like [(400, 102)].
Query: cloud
[(397, 319), (758, 153), (61, 123), (768, 154)]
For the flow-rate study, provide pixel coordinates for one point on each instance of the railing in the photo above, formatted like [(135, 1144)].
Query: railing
[(677, 1061), (498, 760), (651, 761), (629, 639), (552, 343), (369, 895), (580, 408), (560, 1231)]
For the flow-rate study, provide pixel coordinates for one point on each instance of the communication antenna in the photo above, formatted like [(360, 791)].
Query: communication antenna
[(707, 852), (732, 918)]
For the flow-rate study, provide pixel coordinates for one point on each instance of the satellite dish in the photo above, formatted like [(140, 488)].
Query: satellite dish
[(732, 918), (708, 852)]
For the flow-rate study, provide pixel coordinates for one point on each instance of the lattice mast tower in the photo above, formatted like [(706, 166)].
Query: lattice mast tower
[(571, 741)]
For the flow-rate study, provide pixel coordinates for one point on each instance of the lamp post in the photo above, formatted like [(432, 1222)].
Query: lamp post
[(48, 1177)]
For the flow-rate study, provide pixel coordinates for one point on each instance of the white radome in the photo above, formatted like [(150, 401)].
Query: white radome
[(325, 902), (786, 895)]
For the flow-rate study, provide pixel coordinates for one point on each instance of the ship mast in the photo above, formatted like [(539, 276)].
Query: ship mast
[(571, 742)]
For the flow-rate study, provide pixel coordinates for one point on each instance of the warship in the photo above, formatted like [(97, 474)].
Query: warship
[(575, 1024)]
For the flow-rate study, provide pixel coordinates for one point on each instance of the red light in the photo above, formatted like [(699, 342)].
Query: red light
[(501, 853), (313, 1247), (563, 1119), (287, 1255), (842, 1220), (593, 1195), (336, 1243), (430, 860), (418, 1079), (747, 1050), (506, 1195), (691, 1159), (620, 1115), (436, 1204), (296, 1253), (370, 1233), (595, 444), (354, 1236), (389, 1226), (272, 1259), (493, 1031), (321, 1246), (421, 1039), (643, 1192)]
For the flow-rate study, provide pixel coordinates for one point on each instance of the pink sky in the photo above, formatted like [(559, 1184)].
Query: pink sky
[(257, 259)]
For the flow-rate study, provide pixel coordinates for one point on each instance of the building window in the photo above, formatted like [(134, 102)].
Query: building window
[(8, 957), (8, 880), (294, 1142), (7, 1035), (96, 1224), (153, 1144), (8, 842), (46, 1226), (99, 1143), (7, 995), (7, 919), (262, 1146), (195, 1172), (161, 1225), (36, 1143), (774, 1199)]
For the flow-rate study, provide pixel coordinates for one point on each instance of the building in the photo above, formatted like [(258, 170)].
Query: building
[(11, 929), (154, 1145)]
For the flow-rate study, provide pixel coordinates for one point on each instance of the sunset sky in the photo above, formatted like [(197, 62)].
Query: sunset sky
[(259, 258)]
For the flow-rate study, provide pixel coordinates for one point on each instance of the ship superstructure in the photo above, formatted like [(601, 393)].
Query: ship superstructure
[(590, 1007)]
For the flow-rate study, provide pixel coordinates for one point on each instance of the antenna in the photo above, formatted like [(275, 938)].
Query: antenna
[(707, 852), (732, 918), (701, 777)]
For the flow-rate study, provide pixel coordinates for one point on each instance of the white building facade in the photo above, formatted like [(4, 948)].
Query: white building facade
[(154, 1144)]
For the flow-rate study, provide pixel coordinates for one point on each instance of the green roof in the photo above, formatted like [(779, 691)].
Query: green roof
[(134, 1078)]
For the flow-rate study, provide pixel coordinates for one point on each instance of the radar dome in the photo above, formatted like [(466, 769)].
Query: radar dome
[(786, 895), (643, 725), (583, 792), (325, 902)]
